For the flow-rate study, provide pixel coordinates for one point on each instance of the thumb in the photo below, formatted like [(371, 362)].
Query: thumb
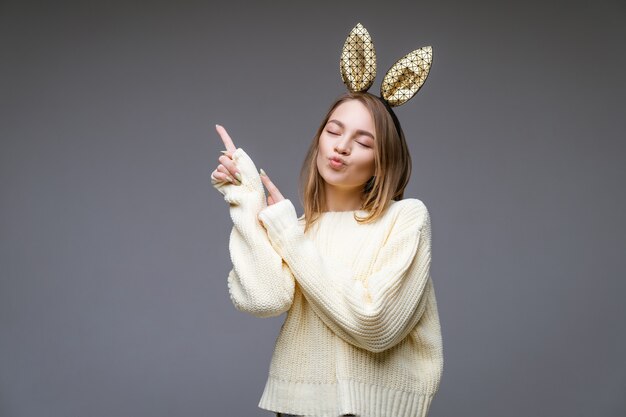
[(273, 190)]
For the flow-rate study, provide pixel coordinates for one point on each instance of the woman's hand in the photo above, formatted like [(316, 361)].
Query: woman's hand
[(275, 195), (226, 170)]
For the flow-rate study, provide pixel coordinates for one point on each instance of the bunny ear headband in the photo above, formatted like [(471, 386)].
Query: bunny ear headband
[(402, 80)]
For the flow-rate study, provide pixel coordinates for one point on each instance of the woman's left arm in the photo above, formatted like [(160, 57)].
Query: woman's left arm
[(373, 312), (260, 283)]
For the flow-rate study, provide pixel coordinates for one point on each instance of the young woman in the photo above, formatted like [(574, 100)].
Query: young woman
[(362, 334)]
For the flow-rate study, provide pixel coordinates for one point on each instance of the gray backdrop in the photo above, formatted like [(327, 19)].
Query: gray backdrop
[(114, 254)]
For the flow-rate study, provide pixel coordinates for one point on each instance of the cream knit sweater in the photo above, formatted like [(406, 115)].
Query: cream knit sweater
[(362, 332)]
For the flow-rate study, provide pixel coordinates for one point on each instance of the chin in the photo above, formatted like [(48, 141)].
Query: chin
[(339, 181)]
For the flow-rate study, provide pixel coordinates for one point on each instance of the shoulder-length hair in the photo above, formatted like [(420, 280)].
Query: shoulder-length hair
[(392, 164)]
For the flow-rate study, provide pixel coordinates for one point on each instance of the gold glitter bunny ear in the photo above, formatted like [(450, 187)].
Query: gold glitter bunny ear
[(406, 76), (358, 60)]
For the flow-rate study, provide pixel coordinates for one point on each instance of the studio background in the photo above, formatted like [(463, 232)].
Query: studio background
[(114, 245)]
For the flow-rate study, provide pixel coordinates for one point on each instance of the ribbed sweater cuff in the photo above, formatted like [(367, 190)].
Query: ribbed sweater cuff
[(251, 188), (279, 218)]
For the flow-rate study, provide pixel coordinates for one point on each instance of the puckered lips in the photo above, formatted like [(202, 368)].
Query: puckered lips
[(336, 162)]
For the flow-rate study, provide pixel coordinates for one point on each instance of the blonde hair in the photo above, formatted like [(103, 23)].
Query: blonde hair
[(391, 172)]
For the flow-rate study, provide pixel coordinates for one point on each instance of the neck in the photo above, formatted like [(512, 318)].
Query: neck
[(342, 200)]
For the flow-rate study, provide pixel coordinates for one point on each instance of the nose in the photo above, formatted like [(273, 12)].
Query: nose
[(342, 145)]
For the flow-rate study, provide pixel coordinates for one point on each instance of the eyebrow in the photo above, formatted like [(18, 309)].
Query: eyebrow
[(362, 132)]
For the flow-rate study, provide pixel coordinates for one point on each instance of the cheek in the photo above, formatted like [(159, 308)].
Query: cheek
[(321, 152), (324, 148), (323, 142), (367, 165)]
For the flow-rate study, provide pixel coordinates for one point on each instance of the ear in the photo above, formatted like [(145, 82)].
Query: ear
[(358, 60), (406, 76)]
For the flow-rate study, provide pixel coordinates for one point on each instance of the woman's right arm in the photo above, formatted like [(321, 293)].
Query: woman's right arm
[(374, 310), (260, 282)]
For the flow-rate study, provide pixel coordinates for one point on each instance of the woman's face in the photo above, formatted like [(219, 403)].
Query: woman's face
[(349, 135)]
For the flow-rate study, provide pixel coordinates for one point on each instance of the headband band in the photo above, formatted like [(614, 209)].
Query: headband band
[(396, 122)]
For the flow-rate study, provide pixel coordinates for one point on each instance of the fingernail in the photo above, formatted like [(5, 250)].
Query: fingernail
[(238, 176), (216, 125), (224, 152), (262, 172), (230, 179)]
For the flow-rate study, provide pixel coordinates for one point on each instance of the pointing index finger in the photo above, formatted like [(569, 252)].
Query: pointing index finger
[(228, 142)]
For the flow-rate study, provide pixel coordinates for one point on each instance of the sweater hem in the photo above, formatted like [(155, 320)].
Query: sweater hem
[(342, 397)]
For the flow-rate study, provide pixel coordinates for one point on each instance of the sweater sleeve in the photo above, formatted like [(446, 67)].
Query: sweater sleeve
[(372, 312), (260, 283)]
